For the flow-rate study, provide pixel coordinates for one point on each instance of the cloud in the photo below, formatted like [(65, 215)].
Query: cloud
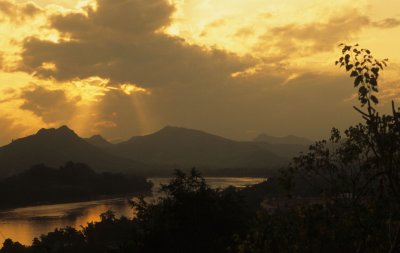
[(215, 24), (52, 106), (298, 40), (188, 85), (123, 42), (311, 38), (10, 130), (18, 13), (387, 23), (244, 32)]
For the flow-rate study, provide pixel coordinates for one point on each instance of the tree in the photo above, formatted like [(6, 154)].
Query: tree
[(346, 189), (191, 217)]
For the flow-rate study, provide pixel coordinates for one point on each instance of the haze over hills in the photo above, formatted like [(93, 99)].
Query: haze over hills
[(54, 147), (154, 154), (181, 147), (98, 141), (289, 139)]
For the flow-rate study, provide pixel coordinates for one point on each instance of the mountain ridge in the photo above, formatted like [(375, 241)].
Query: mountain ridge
[(156, 153), (54, 147)]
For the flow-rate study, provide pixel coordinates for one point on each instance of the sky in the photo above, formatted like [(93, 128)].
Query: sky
[(235, 68)]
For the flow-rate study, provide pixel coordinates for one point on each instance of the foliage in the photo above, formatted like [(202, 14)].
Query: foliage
[(345, 189), (191, 217)]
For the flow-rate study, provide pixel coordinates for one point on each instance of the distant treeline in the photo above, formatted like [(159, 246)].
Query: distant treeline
[(72, 182), (189, 217)]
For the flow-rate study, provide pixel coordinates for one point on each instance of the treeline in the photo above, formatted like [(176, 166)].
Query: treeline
[(72, 182), (189, 217)]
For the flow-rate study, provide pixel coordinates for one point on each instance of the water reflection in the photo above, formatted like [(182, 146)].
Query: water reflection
[(23, 224)]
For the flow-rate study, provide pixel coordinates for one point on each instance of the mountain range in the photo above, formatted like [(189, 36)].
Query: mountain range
[(169, 148)]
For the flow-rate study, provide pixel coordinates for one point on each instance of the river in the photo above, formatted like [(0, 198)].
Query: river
[(23, 224)]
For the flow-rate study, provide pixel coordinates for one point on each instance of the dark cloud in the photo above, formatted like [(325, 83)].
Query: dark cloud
[(244, 32), (117, 116), (190, 86), (122, 42), (52, 106), (306, 39), (308, 105), (387, 23), (18, 12), (215, 24)]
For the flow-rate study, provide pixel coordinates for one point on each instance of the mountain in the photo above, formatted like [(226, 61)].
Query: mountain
[(54, 147), (184, 148), (99, 141), (289, 139), (284, 150)]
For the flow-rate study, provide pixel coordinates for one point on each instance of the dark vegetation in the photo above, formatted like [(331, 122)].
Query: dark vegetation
[(190, 217), (71, 182), (342, 195)]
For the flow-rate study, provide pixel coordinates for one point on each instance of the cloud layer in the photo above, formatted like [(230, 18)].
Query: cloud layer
[(124, 43)]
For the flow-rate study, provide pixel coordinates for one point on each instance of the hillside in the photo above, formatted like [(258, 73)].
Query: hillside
[(71, 182), (54, 147), (181, 147)]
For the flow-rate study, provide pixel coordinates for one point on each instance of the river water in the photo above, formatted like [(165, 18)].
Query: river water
[(23, 224)]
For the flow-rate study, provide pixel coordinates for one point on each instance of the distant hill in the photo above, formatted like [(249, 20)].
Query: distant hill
[(289, 139), (283, 150), (99, 141), (183, 148), (152, 155), (54, 147), (71, 182)]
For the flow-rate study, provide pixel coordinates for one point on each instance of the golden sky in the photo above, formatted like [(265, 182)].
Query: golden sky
[(235, 68)]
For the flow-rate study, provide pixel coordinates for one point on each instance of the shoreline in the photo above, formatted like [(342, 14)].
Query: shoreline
[(96, 198)]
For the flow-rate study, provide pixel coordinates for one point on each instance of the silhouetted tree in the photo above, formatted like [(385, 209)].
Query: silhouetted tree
[(345, 189), (190, 217)]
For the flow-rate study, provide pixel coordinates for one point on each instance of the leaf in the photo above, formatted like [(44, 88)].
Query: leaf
[(347, 58), (363, 101), (373, 81), (363, 91), (374, 99), (354, 73), (346, 48), (358, 80), (348, 67)]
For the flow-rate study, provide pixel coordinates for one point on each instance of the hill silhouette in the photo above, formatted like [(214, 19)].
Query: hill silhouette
[(286, 140), (152, 155), (54, 147), (71, 182), (98, 141), (181, 147)]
